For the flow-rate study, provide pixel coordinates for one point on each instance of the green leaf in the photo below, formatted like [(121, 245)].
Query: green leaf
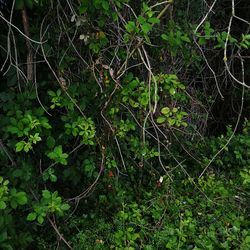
[(185, 39), (171, 121), (4, 237), (58, 92), (164, 37), (21, 198), (154, 20), (64, 155), (2, 205), (51, 93), (105, 5), (172, 91), (174, 110), (27, 147), (40, 219), (19, 146), (53, 178), (146, 27), (50, 142), (63, 161), (165, 110), (65, 207), (46, 194), (31, 216), (247, 239), (161, 119), (52, 155), (58, 150), (141, 19), (13, 204), (130, 26)]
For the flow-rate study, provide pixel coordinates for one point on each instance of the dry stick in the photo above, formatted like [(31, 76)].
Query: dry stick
[(205, 17), (147, 64), (164, 10), (158, 4), (92, 67), (151, 75), (225, 48), (110, 126), (168, 150), (36, 89), (53, 225), (25, 21), (206, 61), (240, 82), (131, 53), (8, 52), (159, 157), (8, 36), (16, 62), (54, 73), (11, 24), (208, 65), (88, 190), (70, 40), (59, 234), (184, 148), (180, 163), (236, 125), (7, 153)]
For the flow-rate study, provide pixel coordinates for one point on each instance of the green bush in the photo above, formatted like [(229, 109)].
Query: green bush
[(123, 125)]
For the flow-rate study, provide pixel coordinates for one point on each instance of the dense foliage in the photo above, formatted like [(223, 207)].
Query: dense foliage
[(124, 124)]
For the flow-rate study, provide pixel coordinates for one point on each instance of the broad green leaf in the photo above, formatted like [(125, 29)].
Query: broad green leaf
[(247, 239), (65, 206), (3, 237), (161, 119), (146, 27), (141, 19), (50, 142), (46, 194), (174, 110), (19, 146), (40, 219), (165, 110), (105, 5), (130, 26), (13, 204), (2, 205), (172, 91), (53, 178), (164, 37), (31, 216), (154, 20), (58, 92), (21, 198), (51, 93), (27, 147), (185, 39), (171, 121), (63, 161)]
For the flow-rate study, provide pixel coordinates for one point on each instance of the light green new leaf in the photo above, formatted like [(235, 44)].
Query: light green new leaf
[(165, 110), (161, 119)]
